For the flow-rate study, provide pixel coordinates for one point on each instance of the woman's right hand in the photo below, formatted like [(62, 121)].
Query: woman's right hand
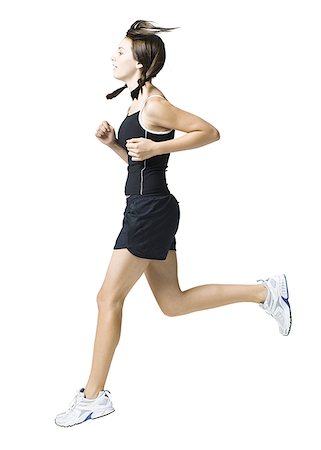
[(106, 133)]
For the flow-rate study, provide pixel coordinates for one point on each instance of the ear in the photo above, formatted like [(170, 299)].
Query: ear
[(139, 65)]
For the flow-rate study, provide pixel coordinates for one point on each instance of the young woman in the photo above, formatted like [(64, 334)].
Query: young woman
[(146, 243)]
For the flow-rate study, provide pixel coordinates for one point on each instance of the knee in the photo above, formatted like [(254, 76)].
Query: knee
[(110, 300)]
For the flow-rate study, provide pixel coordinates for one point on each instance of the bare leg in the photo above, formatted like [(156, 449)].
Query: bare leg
[(123, 272), (162, 278), (214, 295)]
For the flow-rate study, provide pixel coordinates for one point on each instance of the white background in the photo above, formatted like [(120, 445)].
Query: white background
[(223, 378)]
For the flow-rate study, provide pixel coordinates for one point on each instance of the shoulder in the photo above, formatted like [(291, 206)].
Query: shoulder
[(155, 110), (161, 113), (157, 104)]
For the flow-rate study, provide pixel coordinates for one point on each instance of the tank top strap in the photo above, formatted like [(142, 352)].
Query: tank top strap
[(154, 95), (140, 118)]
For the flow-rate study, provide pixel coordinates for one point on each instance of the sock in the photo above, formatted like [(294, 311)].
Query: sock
[(268, 295)]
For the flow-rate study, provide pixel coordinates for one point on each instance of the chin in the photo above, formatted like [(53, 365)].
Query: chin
[(117, 77)]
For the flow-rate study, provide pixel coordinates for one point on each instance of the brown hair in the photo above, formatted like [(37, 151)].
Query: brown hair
[(148, 49)]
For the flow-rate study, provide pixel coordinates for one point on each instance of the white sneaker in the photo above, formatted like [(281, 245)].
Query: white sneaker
[(277, 302), (82, 409)]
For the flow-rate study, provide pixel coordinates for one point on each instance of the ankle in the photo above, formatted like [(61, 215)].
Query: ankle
[(262, 293), (91, 394)]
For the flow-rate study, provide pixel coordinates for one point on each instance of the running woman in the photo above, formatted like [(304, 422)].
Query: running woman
[(146, 243)]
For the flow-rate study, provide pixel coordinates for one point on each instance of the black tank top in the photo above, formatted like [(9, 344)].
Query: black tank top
[(148, 176)]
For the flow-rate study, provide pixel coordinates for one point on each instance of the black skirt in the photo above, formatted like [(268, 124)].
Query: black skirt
[(149, 225)]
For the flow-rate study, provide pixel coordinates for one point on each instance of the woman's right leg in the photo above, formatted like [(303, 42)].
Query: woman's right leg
[(123, 271)]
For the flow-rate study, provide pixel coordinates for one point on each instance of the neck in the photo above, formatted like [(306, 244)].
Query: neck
[(132, 84)]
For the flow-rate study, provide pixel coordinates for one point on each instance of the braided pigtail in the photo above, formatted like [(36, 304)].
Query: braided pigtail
[(149, 49), (116, 92)]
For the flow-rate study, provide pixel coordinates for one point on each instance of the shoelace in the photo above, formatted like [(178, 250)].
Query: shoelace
[(75, 400), (78, 397)]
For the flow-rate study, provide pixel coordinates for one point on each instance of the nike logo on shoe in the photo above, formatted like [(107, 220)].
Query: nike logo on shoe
[(286, 300), (88, 417)]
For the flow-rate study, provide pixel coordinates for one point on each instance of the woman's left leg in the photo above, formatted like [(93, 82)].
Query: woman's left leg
[(163, 281)]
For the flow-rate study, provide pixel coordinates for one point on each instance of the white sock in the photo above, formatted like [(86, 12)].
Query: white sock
[(268, 295)]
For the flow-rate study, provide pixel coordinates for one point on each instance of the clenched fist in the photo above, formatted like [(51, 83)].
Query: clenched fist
[(141, 148), (106, 133)]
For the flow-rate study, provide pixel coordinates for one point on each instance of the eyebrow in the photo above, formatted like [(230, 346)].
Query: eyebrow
[(122, 48)]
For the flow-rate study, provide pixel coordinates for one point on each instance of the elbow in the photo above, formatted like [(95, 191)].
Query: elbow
[(214, 134)]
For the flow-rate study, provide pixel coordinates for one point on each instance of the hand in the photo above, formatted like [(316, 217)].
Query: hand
[(106, 133), (140, 148)]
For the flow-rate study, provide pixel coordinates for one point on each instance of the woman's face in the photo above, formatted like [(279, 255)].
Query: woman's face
[(125, 66)]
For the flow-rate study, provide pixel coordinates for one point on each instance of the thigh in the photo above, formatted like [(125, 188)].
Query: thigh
[(163, 281), (123, 271)]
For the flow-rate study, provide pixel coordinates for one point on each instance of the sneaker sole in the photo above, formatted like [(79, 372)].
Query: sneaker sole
[(87, 418), (288, 303)]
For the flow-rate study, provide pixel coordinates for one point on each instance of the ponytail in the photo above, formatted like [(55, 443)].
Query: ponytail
[(142, 28)]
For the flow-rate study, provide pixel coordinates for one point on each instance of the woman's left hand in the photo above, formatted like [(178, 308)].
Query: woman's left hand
[(140, 148)]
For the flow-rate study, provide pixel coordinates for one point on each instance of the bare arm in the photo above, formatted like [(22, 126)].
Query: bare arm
[(119, 150), (162, 113), (106, 134)]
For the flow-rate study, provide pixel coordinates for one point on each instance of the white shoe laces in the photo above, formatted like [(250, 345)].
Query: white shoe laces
[(75, 401), (78, 397)]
